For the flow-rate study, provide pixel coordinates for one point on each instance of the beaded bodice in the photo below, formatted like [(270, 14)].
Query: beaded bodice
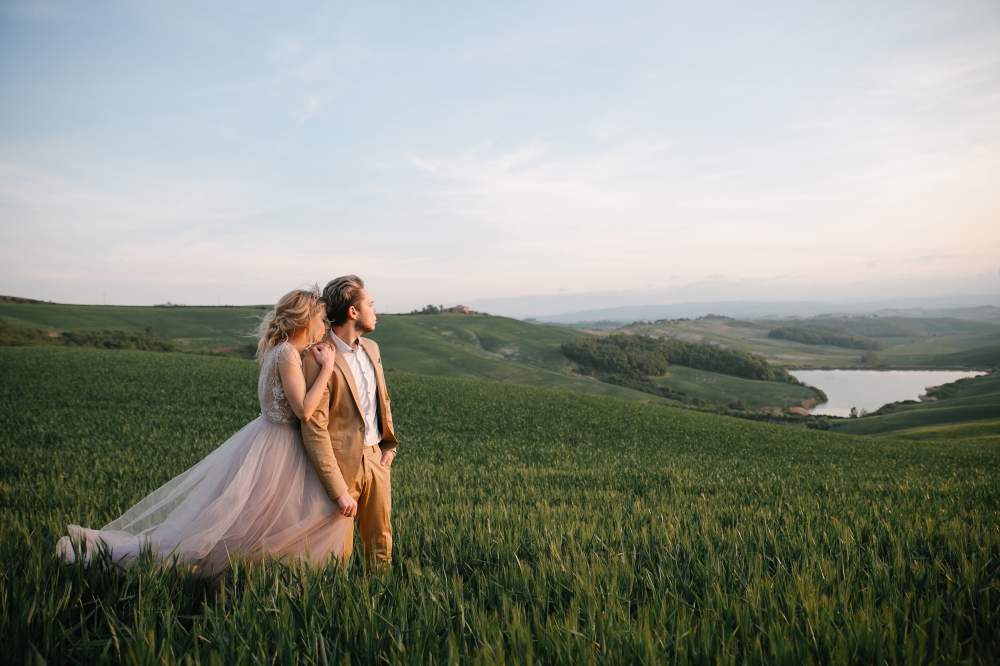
[(273, 402)]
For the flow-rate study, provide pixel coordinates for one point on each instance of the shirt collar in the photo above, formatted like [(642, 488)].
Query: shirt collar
[(342, 346)]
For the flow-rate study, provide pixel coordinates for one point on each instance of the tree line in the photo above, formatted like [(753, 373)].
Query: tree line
[(644, 356), (815, 336)]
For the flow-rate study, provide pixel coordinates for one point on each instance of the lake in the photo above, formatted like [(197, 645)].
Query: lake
[(870, 389)]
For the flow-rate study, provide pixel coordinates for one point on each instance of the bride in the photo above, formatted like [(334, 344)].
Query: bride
[(257, 495)]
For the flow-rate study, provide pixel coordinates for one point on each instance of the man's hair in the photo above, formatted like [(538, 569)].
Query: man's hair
[(339, 295)]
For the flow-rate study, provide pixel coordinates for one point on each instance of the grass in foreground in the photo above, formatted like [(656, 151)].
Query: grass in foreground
[(532, 526)]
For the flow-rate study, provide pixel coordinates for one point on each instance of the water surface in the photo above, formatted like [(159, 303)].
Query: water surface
[(870, 389)]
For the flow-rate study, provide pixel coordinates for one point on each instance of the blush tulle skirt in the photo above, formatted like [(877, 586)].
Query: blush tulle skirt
[(255, 496)]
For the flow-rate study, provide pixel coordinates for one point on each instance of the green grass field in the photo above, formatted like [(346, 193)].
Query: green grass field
[(192, 328), (485, 347), (511, 351), (943, 342), (931, 342), (448, 345), (983, 429), (531, 526), (725, 389)]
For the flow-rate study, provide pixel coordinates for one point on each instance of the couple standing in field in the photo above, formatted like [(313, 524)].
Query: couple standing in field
[(291, 484)]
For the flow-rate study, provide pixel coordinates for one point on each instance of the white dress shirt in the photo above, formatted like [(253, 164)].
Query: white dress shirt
[(364, 378)]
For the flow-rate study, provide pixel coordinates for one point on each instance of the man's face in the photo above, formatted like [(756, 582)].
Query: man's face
[(365, 310)]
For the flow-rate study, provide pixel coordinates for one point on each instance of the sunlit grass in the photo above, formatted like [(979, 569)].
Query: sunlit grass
[(531, 526)]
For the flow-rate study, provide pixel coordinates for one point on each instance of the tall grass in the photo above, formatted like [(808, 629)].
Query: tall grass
[(531, 526)]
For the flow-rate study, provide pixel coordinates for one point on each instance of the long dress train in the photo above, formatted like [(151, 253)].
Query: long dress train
[(257, 495)]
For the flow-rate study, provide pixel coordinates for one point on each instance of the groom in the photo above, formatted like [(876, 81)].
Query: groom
[(349, 439)]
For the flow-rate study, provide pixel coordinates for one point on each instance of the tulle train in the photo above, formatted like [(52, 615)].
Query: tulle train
[(255, 496)]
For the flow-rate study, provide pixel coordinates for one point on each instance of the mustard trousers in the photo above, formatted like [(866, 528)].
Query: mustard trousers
[(373, 492)]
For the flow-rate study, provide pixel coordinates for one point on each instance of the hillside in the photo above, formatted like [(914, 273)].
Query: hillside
[(191, 328), (512, 351), (530, 526), (484, 347), (444, 345), (908, 342), (468, 346)]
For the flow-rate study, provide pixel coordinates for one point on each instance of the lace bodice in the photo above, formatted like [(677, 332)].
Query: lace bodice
[(273, 403)]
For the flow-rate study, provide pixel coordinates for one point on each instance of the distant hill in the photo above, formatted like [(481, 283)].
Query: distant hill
[(978, 308), (191, 328), (444, 345), (512, 351), (909, 342)]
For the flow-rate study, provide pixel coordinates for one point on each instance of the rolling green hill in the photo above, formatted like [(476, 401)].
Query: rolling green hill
[(909, 342), (444, 345), (507, 350), (979, 356), (191, 328), (726, 389), (530, 526), (471, 346), (484, 347)]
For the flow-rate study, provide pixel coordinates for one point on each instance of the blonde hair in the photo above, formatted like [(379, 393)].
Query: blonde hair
[(291, 314)]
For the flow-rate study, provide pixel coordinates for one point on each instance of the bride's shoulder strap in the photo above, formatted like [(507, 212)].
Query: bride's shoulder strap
[(288, 354)]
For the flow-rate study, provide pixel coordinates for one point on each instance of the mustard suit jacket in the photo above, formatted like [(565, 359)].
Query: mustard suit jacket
[(335, 435)]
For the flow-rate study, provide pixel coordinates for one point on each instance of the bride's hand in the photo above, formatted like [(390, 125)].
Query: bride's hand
[(325, 355)]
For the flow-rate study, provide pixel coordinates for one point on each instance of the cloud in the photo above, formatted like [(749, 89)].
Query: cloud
[(503, 151)]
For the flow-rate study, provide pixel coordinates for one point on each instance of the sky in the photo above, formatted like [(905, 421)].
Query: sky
[(573, 153)]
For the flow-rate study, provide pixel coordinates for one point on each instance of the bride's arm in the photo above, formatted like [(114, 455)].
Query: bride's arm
[(303, 402)]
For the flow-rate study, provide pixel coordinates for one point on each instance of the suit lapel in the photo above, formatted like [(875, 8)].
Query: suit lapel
[(349, 376)]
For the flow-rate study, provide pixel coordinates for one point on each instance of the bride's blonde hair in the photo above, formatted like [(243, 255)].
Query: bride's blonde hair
[(291, 314)]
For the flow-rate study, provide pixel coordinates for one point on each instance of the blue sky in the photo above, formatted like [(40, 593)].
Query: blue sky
[(465, 152)]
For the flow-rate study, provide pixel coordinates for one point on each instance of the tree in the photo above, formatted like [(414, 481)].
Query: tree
[(869, 358)]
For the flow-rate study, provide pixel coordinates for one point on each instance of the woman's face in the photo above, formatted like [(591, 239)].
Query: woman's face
[(317, 327)]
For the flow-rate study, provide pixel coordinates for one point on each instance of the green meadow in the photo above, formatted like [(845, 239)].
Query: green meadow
[(191, 328), (715, 387), (909, 341), (531, 526), (513, 351), (486, 347)]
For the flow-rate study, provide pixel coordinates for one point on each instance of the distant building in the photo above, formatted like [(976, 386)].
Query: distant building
[(459, 309)]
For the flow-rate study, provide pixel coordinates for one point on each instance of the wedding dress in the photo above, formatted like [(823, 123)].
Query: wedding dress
[(257, 496)]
